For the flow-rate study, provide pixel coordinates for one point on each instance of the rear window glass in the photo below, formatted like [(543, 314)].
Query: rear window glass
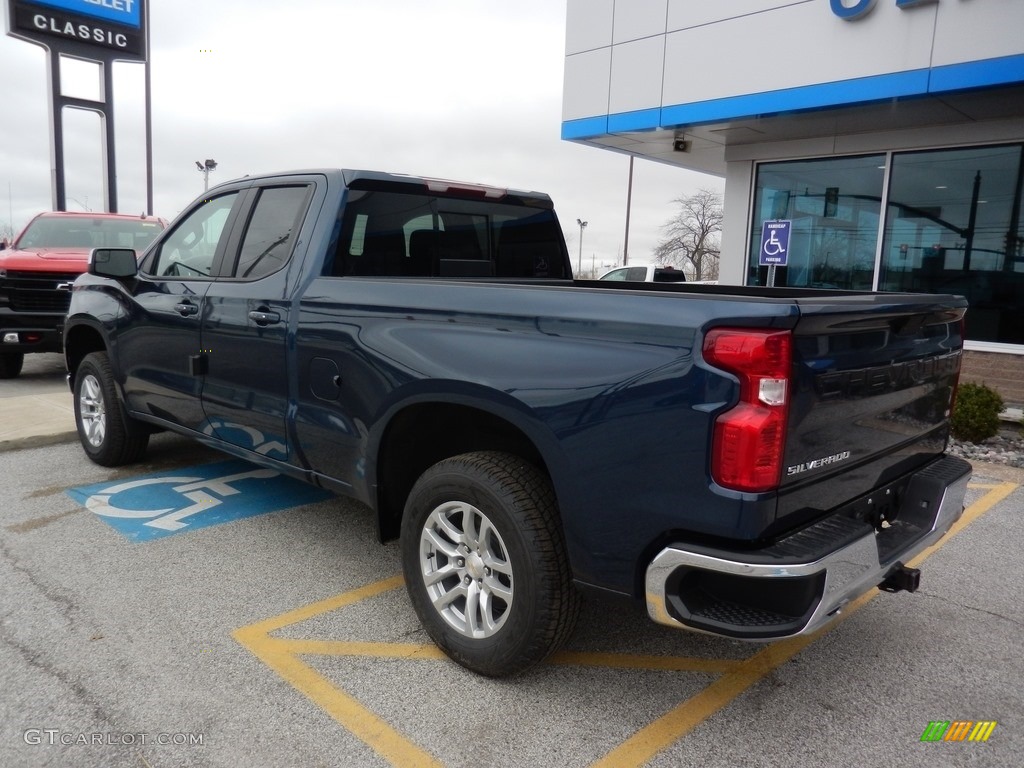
[(669, 276), (397, 234)]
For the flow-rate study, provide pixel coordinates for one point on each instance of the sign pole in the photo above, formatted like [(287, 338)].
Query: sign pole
[(107, 118), (100, 31), (57, 190), (149, 116)]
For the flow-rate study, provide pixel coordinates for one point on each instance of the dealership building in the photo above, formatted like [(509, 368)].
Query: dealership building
[(888, 133)]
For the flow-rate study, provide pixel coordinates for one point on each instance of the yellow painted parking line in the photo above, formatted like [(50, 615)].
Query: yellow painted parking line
[(429, 652), (736, 676), (278, 654), (282, 655), (653, 663), (679, 721), (323, 606)]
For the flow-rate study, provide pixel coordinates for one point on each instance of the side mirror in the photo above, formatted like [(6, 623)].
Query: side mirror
[(117, 263), (4, 244)]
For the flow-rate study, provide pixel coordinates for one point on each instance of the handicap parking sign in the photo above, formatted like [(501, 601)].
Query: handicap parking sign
[(152, 506), (775, 243)]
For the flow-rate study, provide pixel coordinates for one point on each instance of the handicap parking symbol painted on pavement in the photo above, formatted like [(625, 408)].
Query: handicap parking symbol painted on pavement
[(162, 504)]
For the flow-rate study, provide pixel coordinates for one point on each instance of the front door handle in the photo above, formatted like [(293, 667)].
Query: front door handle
[(263, 317), (186, 308)]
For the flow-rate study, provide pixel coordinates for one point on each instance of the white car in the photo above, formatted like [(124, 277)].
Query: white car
[(645, 273)]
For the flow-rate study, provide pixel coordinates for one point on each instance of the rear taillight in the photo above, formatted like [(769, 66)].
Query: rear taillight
[(749, 439)]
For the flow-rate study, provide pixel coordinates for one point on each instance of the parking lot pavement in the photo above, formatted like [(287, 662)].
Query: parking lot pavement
[(36, 407), (285, 638)]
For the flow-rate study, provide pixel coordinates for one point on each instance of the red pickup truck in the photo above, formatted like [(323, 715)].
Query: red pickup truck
[(37, 270)]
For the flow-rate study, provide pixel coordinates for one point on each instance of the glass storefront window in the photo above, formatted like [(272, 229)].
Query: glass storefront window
[(835, 207), (953, 225)]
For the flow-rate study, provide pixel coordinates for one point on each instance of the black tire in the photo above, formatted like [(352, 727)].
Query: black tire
[(510, 597), (109, 436), (10, 364)]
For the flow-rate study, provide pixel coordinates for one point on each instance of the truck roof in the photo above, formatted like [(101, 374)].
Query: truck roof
[(351, 177)]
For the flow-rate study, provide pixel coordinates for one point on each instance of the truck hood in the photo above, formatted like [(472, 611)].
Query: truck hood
[(45, 260)]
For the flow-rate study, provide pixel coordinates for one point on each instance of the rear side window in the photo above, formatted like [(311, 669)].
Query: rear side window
[(397, 234), (271, 232)]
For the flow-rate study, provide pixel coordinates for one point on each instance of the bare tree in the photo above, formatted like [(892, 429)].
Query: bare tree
[(692, 235)]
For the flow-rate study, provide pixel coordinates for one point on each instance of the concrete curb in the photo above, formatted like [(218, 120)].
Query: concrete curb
[(37, 441)]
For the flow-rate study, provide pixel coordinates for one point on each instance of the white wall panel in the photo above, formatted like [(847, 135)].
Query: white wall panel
[(585, 85), (794, 46), (958, 36), (683, 14), (588, 25), (636, 75), (635, 19)]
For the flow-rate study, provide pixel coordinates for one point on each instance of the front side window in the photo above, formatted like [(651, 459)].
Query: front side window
[(189, 251), (834, 205)]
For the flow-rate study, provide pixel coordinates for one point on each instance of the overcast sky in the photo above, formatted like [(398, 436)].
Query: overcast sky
[(461, 89)]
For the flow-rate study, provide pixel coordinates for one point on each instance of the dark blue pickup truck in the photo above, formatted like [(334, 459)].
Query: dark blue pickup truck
[(744, 460)]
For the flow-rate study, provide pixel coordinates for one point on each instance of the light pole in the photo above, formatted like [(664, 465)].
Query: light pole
[(205, 168), (579, 261), (629, 200)]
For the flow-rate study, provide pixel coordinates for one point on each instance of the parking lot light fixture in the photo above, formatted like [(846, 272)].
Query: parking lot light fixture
[(579, 260), (205, 168)]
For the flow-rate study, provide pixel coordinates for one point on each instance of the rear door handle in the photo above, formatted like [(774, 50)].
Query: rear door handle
[(186, 308), (261, 317)]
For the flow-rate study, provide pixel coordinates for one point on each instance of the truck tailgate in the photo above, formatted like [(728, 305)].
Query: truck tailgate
[(872, 395)]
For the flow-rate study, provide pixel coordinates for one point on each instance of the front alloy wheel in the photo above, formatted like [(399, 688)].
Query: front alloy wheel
[(108, 434), (93, 411)]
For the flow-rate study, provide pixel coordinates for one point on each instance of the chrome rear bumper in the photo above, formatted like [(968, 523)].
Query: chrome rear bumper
[(798, 585)]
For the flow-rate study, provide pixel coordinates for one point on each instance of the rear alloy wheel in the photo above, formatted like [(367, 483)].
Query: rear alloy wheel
[(109, 436), (10, 364), (485, 564)]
